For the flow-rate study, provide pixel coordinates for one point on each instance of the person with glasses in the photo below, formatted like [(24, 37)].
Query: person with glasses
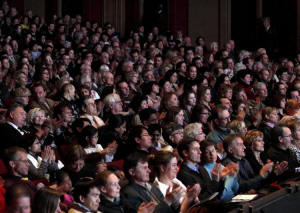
[(141, 140), (279, 151), (173, 134), (18, 165)]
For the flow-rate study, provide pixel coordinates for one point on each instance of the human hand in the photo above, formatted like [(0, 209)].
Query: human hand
[(231, 169), (147, 207), (266, 169), (216, 172), (173, 197), (281, 167)]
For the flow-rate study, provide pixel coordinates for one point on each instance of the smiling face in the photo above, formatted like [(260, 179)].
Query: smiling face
[(210, 154)]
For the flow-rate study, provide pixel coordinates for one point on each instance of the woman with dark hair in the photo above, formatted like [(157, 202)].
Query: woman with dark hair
[(204, 97), (46, 200), (151, 90), (172, 77), (202, 114), (189, 101), (176, 115)]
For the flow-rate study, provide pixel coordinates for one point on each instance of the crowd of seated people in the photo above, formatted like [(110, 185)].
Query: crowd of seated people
[(147, 122)]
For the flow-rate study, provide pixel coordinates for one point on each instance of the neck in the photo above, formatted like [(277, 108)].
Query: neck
[(191, 162), (141, 183), (166, 180)]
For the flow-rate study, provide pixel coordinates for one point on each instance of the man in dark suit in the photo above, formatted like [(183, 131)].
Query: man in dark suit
[(10, 131), (191, 173)]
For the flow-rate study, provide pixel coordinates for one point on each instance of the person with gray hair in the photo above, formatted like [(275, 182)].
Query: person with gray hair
[(194, 131)]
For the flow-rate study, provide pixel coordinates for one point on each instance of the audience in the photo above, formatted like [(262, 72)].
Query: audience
[(80, 106)]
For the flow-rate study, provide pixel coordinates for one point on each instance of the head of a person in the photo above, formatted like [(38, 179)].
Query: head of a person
[(74, 158), (108, 184), (166, 164), (234, 146), (16, 161), (16, 114), (204, 94), (64, 182), (36, 117), (89, 106), (22, 96), (141, 138), (292, 106), (31, 143), (113, 103), (18, 199), (90, 136), (194, 131), (155, 132), (117, 123), (87, 193), (238, 127), (148, 116), (170, 100), (281, 136), (173, 133), (200, 113), (136, 168), (68, 91), (270, 114), (46, 200), (254, 141), (260, 90), (40, 92), (175, 114), (189, 150), (295, 128), (189, 98), (209, 153), (64, 112), (221, 116), (225, 91), (79, 124), (96, 162)]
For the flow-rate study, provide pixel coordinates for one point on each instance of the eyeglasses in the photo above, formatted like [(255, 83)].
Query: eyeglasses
[(145, 135), (23, 161), (177, 132)]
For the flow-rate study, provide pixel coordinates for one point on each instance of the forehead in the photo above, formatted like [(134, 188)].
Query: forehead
[(194, 144)]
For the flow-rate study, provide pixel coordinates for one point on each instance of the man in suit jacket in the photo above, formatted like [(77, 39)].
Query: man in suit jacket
[(190, 172), (140, 190), (10, 131)]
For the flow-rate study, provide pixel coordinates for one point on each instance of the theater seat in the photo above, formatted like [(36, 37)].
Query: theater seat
[(119, 164), (3, 168)]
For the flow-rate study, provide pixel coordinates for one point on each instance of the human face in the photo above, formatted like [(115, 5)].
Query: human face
[(243, 129), (247, 79), (144, 104), (145, 140), (193, 72), (67, 114), (124, 89), (92, 199), (91, 107), (117, 106), (177, 136), (273, 117), (40, 93), (67, 184), (296, 133), (36, 146), (45, 75), (286, 138), (242, 96), (167, 87), (21, 165), (238, 149), (207, 96), (173, 101), (155, 136), (20, 205), (204, 115), (179, 118), (194, 153), (192, 99), (200, 135), (39, 118), (282, 89), (101, 166), (18, 116), (228, 94), (210, 154), (263, 92), (224, 119), (258, 144), (121, 129), (173, 78), (112, 188), (77, 165), (226, 102), (171, 169), (93, 140), (141, 173)]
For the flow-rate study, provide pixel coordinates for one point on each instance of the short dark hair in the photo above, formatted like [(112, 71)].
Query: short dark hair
[(83, 188), (16, 191), (101, 178), (12, 108), (276, 132), (146, 113), (184, 145), (11, 154), (132, 160)]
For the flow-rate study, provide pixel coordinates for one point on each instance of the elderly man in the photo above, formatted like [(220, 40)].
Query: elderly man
[(10, 131), (90, 112)]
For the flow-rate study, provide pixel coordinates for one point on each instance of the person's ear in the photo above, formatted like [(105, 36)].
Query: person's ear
[(131, 172), (137, 140), (103, 189), (11, 164), (161, 168), (171, 137), (230, 150), (81, 199), (185, 153), (280, 139)]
